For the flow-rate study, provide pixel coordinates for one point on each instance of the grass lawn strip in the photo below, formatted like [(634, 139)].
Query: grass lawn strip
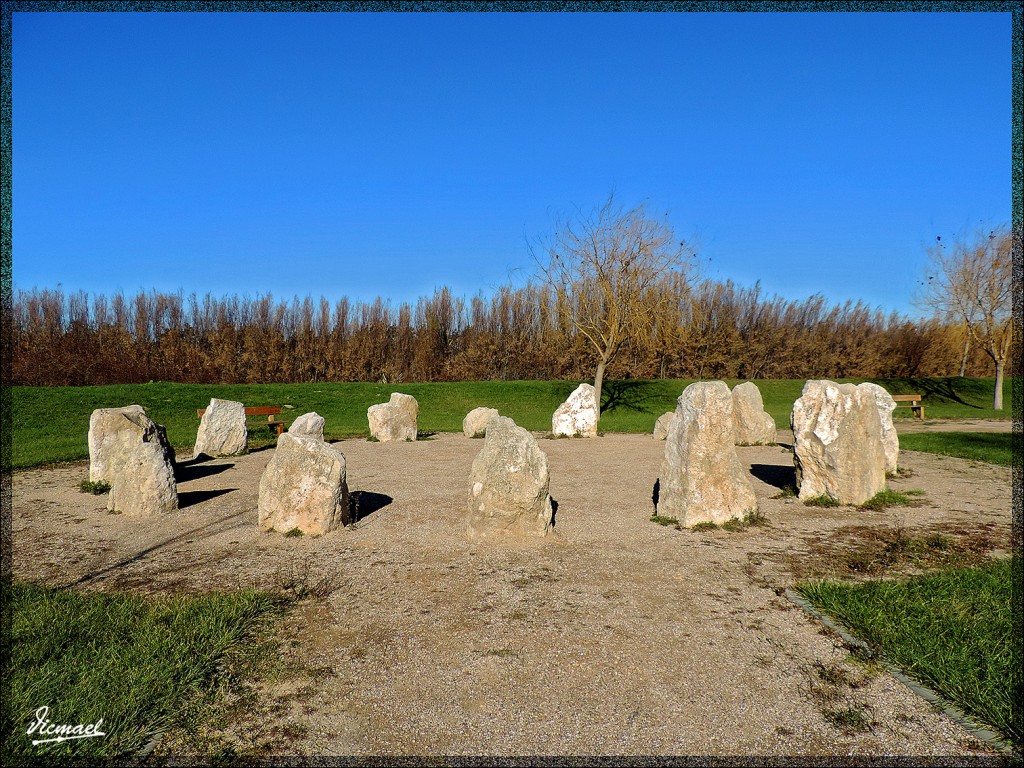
[(135, 661), (990, 447), (951, 630)]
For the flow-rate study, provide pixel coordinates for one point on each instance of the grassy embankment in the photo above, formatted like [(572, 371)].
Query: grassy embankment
[(50, 424), (952, 630)]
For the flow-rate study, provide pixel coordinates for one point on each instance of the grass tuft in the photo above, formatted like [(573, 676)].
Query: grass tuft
[(97, 488), (891, 498), (824, 500), (786, 492), (664, 520), (295, 533)]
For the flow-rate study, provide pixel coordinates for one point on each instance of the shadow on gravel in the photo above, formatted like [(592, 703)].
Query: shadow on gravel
[(188, 498), (655, 494), (554, 510), (361, 504), (775, 474), (189, 471)]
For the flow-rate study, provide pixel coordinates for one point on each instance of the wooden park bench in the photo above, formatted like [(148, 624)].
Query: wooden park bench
[(270, 411), (910, 401)]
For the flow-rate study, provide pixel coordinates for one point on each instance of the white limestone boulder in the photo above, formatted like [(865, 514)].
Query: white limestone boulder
[(753, 424), (890, 440), (578, 415), (662, 424), (701, 477), (508, 484), (222, 430), (394, 420), (304, 486), (837, 443), (308, 425), (144, 482), (113, 435), (475, 423)]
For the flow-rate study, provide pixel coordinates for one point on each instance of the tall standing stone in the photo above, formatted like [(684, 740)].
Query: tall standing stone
[(144, 484), (701, 477), (222, 430), (508, 484), (308, 425), (394, 420), (837, 443), (304, 486), (662, 424), (890, 440), (578, 415), (475, 423), (753, 425), (113, 435)]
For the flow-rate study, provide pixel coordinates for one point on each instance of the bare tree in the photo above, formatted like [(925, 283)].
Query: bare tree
[(604, 269), (971, 283)]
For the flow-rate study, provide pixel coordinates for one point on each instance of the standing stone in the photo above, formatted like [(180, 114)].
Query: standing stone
[(144, 483), (701, 478), (222, 430), (753, 425), (113, 435), (577, 416), (394, 420), (303, 487), (308, 425), (508, 484), (662, 424), (890, 440), (475, 423), (837, 443)]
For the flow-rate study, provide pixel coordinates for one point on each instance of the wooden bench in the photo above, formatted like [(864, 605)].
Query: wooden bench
[(910, 401), (270, 411)]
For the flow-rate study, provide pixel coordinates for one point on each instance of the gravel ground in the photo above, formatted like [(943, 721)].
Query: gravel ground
[(614, 636)]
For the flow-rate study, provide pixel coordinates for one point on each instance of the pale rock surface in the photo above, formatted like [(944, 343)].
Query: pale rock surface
[(144, 484), (662, 424), (890, 440), (304, 486), (394, 420), (475, 423), (308, 425), (222, 430), (837, 442), (701, 477), (508, 484), (113, 435), (577, 416), (753, 425)]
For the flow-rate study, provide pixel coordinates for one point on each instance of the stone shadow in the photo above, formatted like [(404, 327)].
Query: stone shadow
[(656, 494), (189, 498), (188, 470), (361, 504), (554, 510), (778, 475)]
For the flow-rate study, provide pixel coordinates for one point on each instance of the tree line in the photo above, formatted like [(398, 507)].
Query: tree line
[(701, 330)]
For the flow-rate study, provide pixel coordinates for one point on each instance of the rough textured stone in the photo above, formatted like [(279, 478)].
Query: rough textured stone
[(701, 477), (508, 484), (222, 430), (395, 419), (890, 440), (577, 416), (144, 483), (308, 425), (304, 486), (113, 435), (753, 425), (662, 424), (475, 423), (837, 443)]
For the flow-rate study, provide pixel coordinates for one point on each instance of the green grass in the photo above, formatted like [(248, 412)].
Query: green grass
[(824, 500), (952, 630), (51, 424), (96, 489), (664, 520), (991, 447), (134, 661), (891, 498)]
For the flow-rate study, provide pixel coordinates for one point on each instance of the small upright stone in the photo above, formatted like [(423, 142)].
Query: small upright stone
[(577, 416), (394, 420), (753, 425), (701, 477), (508, 484), (113, 435), (475, 423), (837, 443), (890, 440), (662, 424), (304, 486), (144, 484), (222, 430), (308, 425)]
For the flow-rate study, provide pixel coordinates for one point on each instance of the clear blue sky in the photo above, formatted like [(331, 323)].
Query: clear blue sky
[(386, 154)]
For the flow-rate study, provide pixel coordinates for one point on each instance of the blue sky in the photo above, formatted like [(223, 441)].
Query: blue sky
[(386, 154)]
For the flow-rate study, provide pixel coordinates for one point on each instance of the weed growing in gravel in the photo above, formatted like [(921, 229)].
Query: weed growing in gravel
[(664, 520), (294, 533), (100, 486), (705, 526), (372, 439), (891, 498), (822, 501), (787, 492), (849, 719), (755, 518), (300, 581)]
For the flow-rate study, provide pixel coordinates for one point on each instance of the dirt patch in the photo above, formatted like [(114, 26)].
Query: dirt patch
[(614, 636)]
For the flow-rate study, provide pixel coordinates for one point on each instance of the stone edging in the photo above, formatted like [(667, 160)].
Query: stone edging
[(978, 731)]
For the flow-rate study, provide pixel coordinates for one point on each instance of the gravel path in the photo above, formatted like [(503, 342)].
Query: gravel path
[(616, 636)]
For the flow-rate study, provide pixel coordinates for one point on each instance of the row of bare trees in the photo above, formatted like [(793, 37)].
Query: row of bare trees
[(707, 330)]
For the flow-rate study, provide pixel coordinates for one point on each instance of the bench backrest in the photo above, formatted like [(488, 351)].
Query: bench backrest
[(906, 398), (257, 410)]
